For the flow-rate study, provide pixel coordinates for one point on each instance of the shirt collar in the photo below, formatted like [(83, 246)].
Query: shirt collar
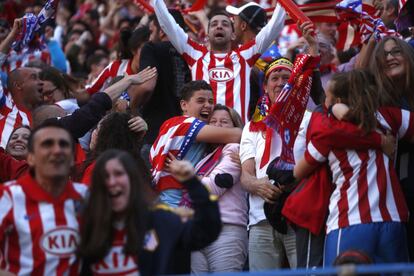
[(34, 191)]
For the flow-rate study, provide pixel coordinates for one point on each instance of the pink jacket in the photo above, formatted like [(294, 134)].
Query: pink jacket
[(233, 201)]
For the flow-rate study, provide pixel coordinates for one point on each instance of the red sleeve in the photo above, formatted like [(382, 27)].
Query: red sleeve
[(87, 175), (103, 76), (399, 121), (318, 146), (345, 135), (11, 168)]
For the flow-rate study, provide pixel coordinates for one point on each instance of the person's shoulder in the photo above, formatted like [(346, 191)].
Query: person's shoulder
[(158, 47), (81, 188), (8, 186)]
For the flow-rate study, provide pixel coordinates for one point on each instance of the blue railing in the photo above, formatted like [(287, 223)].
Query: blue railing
[(348, 270)]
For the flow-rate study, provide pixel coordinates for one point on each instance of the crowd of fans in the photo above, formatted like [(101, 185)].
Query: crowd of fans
[(136, 139)]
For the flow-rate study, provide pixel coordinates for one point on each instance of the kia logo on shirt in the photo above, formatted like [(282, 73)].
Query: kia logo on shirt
[(61, 241), (220, 74), (116, 263)]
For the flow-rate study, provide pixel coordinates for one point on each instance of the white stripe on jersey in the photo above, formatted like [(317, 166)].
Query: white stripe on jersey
[(315, 153), (47, 213), (405, 120), (22, 222), (372, 192), (56, 236), (10, 124)]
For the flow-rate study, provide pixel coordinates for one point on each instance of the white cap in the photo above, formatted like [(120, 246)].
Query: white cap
[(236, 11)]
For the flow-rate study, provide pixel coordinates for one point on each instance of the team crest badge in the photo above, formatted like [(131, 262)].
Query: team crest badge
[(151, 241)]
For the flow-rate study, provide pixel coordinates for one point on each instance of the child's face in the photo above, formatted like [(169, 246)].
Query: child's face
[(200, 105)]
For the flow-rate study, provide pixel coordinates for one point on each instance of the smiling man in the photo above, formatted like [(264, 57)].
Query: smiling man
[(39, 211), (227, 70)]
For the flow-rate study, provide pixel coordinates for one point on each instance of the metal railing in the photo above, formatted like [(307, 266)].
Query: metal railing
[(345, 270)]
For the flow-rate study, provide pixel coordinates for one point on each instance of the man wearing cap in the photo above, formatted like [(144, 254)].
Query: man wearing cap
[(259, 145), (249, 19), (227, 70)]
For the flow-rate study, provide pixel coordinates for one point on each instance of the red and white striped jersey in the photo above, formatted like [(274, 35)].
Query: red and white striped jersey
[(22, 58), (227, 73), (116, 263), (114, 69), (176, 137), (367, 188), (39, 232), (11, 117)]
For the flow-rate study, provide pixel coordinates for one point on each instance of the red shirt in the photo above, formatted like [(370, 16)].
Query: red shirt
[(367, 188), (39, 232), (116, 263)]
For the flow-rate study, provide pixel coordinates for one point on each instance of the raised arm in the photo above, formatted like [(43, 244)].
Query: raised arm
[(114, 91), (175, 33), (94, 110), (272, 29), (7, 42)]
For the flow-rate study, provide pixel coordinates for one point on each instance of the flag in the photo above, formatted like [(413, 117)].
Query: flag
[(176, 137), (363, 17), (32, 26), (317, 12), (268, 56)]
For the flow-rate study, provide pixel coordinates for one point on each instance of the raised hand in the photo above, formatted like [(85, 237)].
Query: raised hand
[(17, 26), (308, 31), (138, 125), (181, 170), (388, 145), (143, 76)]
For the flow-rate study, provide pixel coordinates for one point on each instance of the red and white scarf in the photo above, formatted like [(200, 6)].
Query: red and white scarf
[(287, 112)]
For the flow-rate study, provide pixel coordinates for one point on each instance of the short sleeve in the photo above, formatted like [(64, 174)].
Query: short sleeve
[(247, 144)]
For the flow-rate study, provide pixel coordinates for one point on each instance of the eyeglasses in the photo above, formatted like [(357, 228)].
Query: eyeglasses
[(396, 52)]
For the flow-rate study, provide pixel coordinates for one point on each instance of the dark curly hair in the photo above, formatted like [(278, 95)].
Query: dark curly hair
[(114, 133)]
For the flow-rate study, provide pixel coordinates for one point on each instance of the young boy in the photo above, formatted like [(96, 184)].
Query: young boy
[(185, 137)]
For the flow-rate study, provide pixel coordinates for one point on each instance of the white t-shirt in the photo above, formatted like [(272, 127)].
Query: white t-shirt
[(252, 145)]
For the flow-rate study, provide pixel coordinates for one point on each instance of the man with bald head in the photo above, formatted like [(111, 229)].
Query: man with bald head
[(25, 87), (24, 95)]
